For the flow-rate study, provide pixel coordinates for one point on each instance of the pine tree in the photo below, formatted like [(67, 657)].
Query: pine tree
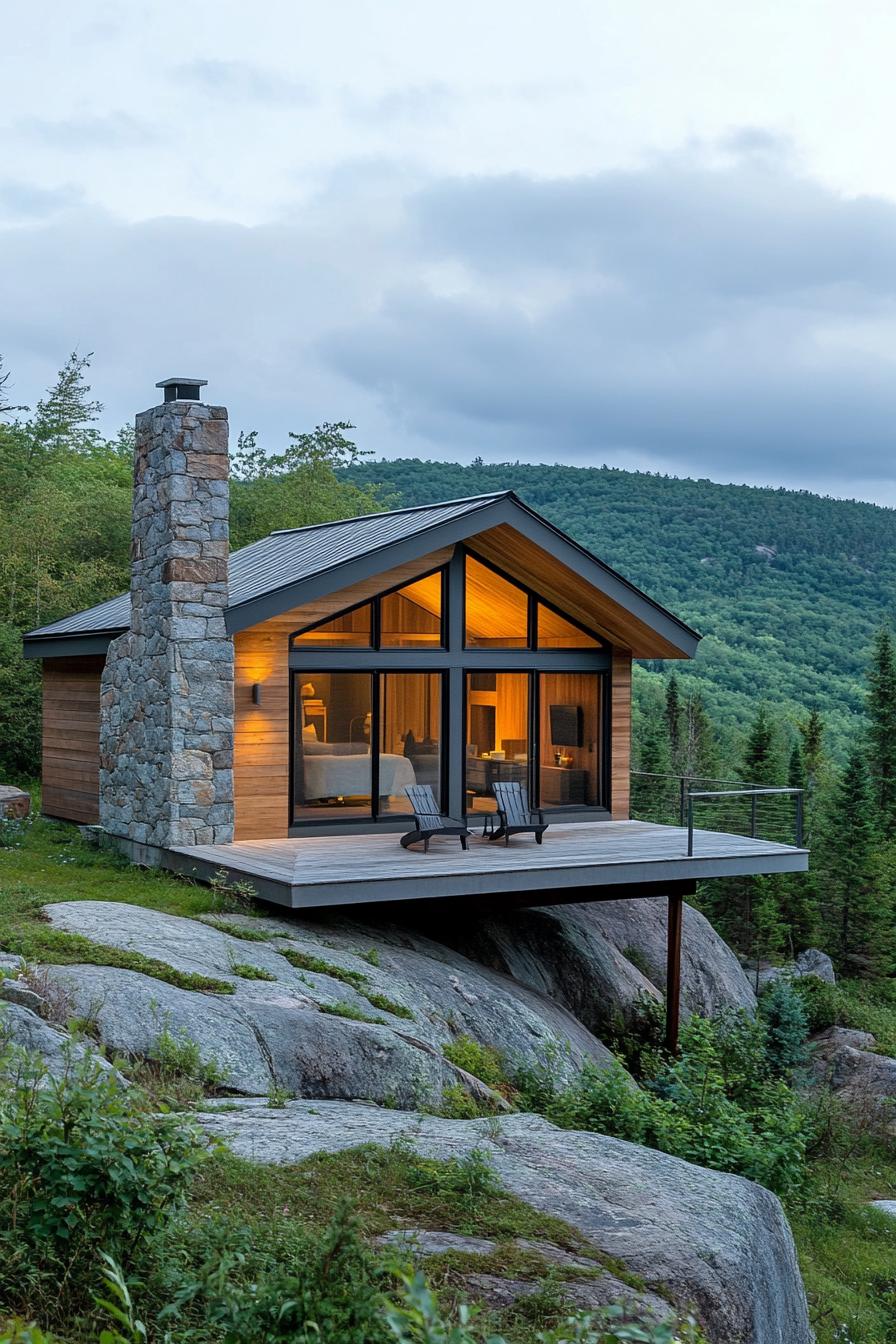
[(672, 714), (854, 912), (796, 768), (760, 764), (699, 757), (64, 418), (882, 730)]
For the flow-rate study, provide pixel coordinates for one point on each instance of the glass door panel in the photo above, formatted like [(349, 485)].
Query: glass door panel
[(331, 767), (569, 739), (410, 736), (497, 734)]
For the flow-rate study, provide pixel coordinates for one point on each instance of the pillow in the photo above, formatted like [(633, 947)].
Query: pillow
[(309, 733)]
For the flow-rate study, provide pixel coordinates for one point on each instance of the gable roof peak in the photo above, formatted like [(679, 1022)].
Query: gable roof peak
[(491, 498)]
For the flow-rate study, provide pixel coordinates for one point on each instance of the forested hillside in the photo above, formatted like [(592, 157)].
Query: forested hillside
[(787, 588)]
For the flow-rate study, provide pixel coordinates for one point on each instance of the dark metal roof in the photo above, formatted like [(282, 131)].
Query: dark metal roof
[(294, 566), (288, 557)]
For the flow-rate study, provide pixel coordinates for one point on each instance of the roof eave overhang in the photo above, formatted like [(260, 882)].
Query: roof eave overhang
[(671, 637), (68, 646)]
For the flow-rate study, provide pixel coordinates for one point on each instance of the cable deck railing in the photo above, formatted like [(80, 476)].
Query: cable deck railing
[(729, 806)]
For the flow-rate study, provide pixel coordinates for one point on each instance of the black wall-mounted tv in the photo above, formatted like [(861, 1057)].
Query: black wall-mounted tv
[(566, 725)]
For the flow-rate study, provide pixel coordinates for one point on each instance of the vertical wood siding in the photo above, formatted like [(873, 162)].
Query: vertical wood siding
[(71, 739), (621, 735)]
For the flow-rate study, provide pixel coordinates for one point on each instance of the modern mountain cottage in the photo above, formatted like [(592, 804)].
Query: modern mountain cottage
[(263, 712)]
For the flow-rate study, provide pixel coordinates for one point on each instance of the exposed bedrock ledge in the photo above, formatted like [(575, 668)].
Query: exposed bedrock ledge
[(292, 1028), (599, 959), (701, 1239)]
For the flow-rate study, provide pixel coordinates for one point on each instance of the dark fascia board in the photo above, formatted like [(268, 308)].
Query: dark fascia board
[(68, 646), (507, 509)]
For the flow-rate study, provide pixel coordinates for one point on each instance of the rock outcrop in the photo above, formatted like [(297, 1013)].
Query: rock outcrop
[(700, 1239), (348, 1012), (599, 959), (21, 1027), (810, 962), (845, 1061)]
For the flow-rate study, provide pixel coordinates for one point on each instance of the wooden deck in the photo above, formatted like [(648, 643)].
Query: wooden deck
[(356, 869)]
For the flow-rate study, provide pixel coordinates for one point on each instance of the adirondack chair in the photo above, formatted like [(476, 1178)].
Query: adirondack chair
[(430, 821), (514, 813)]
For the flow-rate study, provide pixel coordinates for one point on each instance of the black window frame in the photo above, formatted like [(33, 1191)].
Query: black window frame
[(454, 660)]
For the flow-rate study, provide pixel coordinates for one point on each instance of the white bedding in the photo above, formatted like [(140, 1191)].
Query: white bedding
[(335, 776)]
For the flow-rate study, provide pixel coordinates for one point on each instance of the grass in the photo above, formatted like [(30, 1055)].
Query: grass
[(393, 1188), (307, 961), (351, 1011), (248, 972), (53, 863), (847, 1250)]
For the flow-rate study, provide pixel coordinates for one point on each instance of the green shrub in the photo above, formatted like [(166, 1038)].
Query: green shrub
[(717, 1105), (483, 1061), (344, 1009), (387, 1005), (786, 1028), (83, 1167), (248, 972)]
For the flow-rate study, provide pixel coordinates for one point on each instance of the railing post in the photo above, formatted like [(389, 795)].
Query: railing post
[(682, 795), (753, 815), (673, 971), (690, 827), (799, 819)]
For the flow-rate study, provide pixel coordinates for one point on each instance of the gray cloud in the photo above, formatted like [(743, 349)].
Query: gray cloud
[(244, 82), (24, 201), (113, 130), (717, 315)]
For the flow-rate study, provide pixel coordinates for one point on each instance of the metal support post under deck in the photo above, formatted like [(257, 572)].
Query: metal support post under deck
[(673, 971)]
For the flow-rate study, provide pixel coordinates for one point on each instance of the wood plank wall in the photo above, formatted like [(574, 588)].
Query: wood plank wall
[(620, 735), (71, 739), (261, 732)]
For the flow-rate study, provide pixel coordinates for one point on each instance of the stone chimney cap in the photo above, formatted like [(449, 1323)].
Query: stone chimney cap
[(182, 389)]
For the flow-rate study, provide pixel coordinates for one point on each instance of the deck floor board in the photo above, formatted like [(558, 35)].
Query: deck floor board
[(351, 869)]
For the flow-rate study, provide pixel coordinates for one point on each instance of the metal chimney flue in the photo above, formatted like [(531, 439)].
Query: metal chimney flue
[(183, 389)]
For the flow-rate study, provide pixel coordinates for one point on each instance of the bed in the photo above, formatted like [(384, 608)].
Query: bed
[(329, 774)]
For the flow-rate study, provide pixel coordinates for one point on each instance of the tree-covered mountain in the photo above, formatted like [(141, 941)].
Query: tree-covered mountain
[(787, 587)]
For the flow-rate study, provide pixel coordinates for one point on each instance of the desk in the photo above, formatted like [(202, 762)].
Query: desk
[(562, 786)]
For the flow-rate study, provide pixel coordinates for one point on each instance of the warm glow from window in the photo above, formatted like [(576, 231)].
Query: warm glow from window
[(351, 630), (411, 618), (497, 610), (555, 632)]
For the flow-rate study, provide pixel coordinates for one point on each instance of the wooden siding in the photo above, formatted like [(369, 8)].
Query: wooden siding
[(620, 735), (261, 732), (71, 739)]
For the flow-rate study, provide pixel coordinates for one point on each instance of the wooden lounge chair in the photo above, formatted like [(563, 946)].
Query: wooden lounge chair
[(515, 815), (430, 821)]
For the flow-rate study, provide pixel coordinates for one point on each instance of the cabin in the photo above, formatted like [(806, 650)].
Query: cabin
[(264, 712)]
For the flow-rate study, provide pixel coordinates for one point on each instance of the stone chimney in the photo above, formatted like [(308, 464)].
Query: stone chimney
[(166, 709)]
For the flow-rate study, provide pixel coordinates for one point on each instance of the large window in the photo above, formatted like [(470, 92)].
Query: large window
[(411, 617), (410, 736), (569, 739), (497, 739), (331, 744), (497, 611), (458, 679)]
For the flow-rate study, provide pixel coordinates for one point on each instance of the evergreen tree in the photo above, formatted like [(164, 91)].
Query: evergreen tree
[(882, 730), (854, 910), (699, 756), (672, 714), (760, 764), (796, 768), (64, 418)]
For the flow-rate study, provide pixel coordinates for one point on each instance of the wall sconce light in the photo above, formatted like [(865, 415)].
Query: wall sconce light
[(256, 692)]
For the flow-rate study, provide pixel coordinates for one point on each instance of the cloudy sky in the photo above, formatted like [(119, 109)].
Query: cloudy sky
[(653, 234)]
